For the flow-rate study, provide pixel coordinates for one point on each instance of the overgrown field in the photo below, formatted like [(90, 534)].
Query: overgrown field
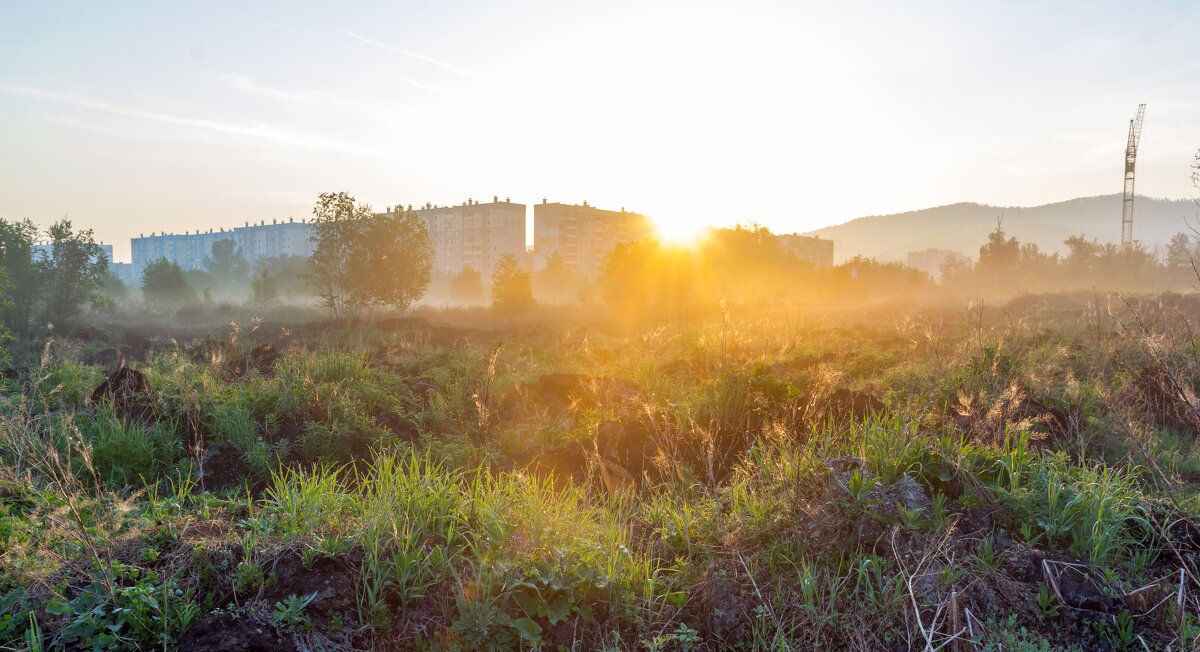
[(1021, 477)]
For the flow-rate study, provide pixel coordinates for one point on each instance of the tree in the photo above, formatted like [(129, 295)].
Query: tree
[(1179, 252), (290, 273), (338, 230), (24, 286), (164, 285), (263, 290), (467, 286), (74, 273), (1000, 255), (554, 282), (512, 288), (393, 261), (227, 264)]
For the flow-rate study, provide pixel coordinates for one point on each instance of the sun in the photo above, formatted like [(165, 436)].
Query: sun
[(679, 232)]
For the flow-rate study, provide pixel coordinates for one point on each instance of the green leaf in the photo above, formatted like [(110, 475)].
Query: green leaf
[(528, 629), (676, 598), (558, 611)]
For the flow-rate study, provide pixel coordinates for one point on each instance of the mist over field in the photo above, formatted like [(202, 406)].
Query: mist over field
[(668, 327)]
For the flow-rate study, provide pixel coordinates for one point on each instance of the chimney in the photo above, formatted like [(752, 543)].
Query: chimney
[(495, 199), (543, 200), (507, 200), (274, 220), (247, 224), (291, 220), (410, 207), (585, 203)]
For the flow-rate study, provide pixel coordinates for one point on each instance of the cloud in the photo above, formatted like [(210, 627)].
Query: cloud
[(427, 87), (244, 83), (368, 106), (420, 57), (307, 140)]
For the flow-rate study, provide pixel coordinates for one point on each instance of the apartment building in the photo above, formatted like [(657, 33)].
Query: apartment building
[(817, 251), (583, 235), (46, 250), (474, 234), (255, 241)]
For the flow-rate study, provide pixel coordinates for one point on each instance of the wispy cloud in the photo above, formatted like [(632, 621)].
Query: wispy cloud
[(248, 85), (426, 87), (267, 133), (408, 53), (75, 123), (367, 106)]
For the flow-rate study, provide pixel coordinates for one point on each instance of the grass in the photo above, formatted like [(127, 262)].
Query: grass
[(453, 508)]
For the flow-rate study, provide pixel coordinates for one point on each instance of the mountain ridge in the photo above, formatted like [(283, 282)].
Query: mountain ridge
[(964, 226)]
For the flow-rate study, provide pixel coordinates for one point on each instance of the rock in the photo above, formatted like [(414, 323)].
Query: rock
[(908, 493)]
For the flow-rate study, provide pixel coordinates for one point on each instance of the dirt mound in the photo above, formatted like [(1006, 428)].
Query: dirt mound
[(332, 580), (559, 393), (564, 462), (847, 404), (129, 392), (235, 632), (1169, 403), (223, 468)]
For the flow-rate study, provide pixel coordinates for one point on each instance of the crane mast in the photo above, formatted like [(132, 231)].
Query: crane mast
[(1135, 135)]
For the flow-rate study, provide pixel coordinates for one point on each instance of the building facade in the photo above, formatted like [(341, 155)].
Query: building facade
[(817, 251), (46, 250), (583, 235), (255, 241), (474, 235)]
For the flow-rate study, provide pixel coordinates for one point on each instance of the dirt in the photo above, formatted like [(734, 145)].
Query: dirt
[(562, 392), (130, 394), (235, 632), (847, 404), (224, 468), (1168, 403)]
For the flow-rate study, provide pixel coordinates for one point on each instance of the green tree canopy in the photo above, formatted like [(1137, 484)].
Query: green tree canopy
[(227, 264), (164, 285)]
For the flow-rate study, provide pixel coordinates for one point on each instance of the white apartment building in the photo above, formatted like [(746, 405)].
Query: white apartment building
[(583, 235), (474, 234), (255, 241)]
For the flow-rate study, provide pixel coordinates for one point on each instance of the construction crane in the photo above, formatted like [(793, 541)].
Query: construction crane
[(1135, 135)]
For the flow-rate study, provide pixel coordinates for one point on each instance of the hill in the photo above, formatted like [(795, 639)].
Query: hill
[(963, 227)]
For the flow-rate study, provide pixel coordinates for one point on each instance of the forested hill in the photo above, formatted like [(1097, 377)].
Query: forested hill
[(963, 227)]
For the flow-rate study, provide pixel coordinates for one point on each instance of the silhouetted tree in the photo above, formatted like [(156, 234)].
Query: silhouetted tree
[(1179, 252), (74, 273), (263, 290), (291, 274), (393, 260), (338, 229), (164, 285), (467, 286), (512, 289), (227, 264), (555, 283), (24, 287)]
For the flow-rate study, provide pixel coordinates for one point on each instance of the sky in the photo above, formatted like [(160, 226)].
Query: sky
[(134, 117)]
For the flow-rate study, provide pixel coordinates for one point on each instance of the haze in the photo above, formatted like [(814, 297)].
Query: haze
[(143, 116)]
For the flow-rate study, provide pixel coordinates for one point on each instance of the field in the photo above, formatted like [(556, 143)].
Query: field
[(1012, 477)]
